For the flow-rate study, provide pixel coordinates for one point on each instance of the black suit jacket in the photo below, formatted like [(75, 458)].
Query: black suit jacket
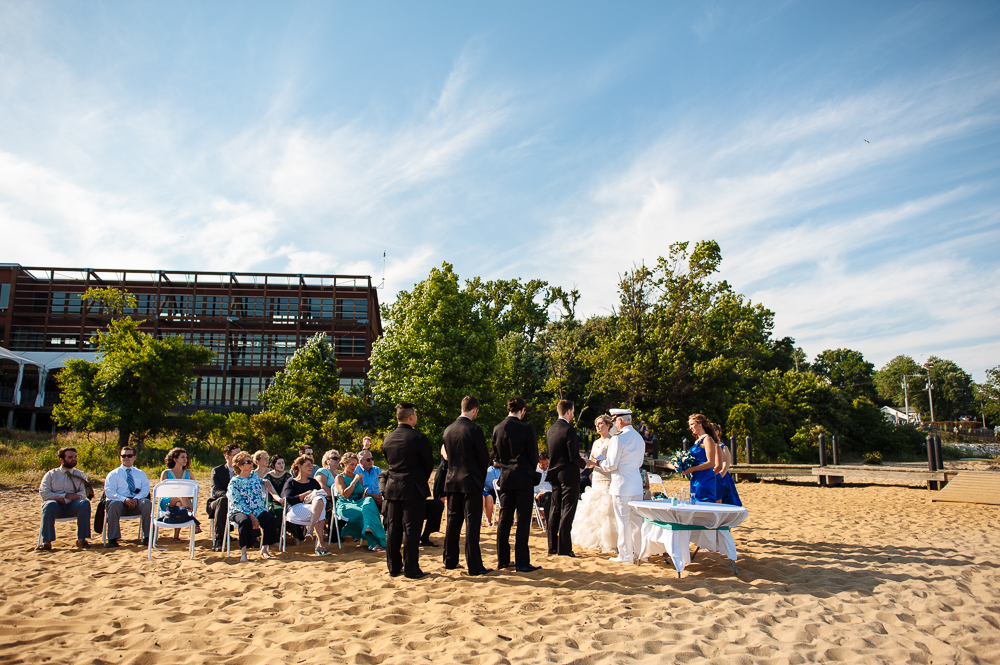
[(468, 457), (438, 491), (408, 453), (220, 485), (564, 452), (516, 448)]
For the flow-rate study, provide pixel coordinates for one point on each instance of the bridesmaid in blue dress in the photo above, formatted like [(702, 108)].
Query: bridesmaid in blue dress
[(704, 484), (357, 508), (727, 488)]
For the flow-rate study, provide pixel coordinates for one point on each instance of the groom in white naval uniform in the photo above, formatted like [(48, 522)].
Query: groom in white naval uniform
[(624, 457)]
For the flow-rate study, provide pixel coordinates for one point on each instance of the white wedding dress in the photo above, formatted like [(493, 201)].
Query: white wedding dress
[(594, 526)]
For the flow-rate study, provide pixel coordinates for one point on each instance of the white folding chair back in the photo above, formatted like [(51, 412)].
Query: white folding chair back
[(170, 489), (538, 513), (655, 479), (58, 519)]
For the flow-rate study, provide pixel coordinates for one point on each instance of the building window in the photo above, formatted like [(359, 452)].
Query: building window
[(317, 308), (352, 308), (284, 310), (66, 303), (349, 382), (26, 340), (211, 306), (350, 346), (4, 295)]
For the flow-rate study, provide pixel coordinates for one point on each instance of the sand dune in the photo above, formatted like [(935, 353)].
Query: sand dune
[(862, 574)]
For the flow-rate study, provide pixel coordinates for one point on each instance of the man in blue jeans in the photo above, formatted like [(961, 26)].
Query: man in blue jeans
[(63, 491)]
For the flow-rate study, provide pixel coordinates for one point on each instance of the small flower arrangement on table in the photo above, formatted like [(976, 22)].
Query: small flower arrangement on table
[(681, 460)]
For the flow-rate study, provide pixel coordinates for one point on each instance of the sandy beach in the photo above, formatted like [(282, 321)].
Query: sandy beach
[(871, 574)]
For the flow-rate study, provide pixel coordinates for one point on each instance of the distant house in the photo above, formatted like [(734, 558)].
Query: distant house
[(900, 417)]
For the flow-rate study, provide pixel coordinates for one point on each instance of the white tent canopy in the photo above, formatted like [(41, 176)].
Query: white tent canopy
[(45, 361)]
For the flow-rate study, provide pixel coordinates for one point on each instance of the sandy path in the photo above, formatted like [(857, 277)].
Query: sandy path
[(862, 574)]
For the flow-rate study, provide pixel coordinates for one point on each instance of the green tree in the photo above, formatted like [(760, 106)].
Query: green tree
[(437, 348), (135, 384), (989, 394), (848, 371), (305, 401), (889, 383), (953, 389)]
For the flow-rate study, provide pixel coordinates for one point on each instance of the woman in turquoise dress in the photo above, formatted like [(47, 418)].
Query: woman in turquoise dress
[(176, 462), (704, 483), (357, 508)]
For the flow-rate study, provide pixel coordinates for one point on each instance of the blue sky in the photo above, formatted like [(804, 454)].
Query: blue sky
[(564, 141)]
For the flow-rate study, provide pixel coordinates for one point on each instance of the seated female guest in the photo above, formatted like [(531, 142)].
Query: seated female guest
[(357, 508), (328, 474), (277, 477), (492, 473), (246, 503), (306, 501), (176, 462)]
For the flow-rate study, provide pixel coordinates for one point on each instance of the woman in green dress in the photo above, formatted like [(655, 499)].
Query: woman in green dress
[(357, 508)]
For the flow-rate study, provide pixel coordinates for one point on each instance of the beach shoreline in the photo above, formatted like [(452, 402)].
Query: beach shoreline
[(868, 574)]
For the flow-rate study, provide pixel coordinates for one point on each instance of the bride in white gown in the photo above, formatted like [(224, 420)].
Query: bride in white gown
[(594, 527)]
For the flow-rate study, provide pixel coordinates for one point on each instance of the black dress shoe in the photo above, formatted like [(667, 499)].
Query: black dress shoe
[(505, 565), (484, 571), (418, 576), (571, 555), (455, 567), (395, 574), (527, 569), (553, 552), (111, 543), (428, 543)]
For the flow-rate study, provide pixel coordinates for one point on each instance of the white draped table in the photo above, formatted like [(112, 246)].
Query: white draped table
[(671, 529)]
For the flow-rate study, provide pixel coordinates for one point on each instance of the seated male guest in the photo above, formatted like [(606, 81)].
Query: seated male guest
[(434, 506), (543, 490), (218, 504), (126, 490), (369, 476), (63, 491)]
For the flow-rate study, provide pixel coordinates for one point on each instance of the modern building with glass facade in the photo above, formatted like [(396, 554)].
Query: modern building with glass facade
[(253, 322)]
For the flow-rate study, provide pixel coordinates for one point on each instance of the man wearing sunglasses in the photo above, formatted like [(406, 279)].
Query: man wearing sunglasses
[(126, 490)]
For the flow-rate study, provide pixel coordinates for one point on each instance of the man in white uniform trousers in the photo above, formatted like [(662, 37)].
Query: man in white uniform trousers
[(624, 457)]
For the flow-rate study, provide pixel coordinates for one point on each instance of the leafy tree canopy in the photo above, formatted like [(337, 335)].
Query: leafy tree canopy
[(848, 371)]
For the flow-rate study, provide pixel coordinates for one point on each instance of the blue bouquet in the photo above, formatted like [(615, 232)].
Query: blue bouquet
[(681, 460)]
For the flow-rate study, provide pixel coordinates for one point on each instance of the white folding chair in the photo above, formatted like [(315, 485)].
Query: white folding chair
[(538, 513), (168, 489), (655, 479), (496, 500), (122, 518), (58, 519), (286, 518)]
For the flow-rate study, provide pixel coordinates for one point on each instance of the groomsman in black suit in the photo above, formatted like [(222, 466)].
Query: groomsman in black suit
[(408, 454), (516, 448), (564, 475), (468, 457)]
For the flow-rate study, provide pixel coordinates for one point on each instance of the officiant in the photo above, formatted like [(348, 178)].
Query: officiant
[(623, 460)]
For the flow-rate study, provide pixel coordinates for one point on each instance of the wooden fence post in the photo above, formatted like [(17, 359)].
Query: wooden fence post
[(749, 450), (822, 456)]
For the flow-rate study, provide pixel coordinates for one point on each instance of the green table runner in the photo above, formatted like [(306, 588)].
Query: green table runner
[(673, 526)]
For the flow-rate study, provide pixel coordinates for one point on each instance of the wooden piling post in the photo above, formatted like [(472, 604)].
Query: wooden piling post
[(749, 450), (931, 462), (836, 450), (938, 459), (822, 456)]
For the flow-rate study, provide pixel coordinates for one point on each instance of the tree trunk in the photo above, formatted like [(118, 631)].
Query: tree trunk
[(123, 436)]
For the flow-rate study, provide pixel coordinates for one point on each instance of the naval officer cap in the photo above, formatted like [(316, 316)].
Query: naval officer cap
[(620, 412)]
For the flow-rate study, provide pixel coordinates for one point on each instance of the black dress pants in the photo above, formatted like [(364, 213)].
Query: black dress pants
[(519, 502), (467, 508), (565, 496), (403, 522), (433, 510), (268, 524), (219, 508)]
